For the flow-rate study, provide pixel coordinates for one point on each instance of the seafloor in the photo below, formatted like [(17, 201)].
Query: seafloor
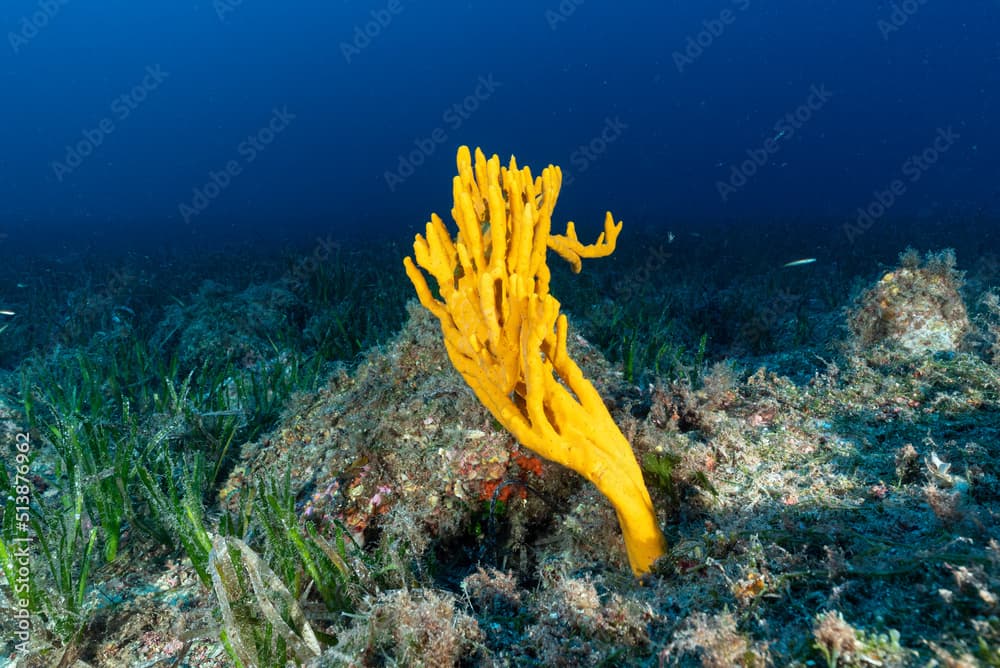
[(240, 457)]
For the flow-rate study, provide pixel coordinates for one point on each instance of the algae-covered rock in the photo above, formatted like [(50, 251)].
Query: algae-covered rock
[(916, 307)]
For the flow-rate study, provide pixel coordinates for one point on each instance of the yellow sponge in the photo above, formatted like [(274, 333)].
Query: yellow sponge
[(504, 333)]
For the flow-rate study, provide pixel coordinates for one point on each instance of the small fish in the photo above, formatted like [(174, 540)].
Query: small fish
[(799, 263), (6, 312)]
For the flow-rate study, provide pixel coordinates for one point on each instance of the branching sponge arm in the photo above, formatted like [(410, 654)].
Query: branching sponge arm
[(504, 333)]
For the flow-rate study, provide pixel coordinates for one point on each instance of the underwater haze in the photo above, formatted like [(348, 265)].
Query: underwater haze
[(260, 407), (342, 116)]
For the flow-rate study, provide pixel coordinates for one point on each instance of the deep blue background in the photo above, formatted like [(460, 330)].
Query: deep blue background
[(559, 83)]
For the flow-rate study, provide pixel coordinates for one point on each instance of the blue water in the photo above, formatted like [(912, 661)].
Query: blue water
[(172, 121), (188, 189)]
